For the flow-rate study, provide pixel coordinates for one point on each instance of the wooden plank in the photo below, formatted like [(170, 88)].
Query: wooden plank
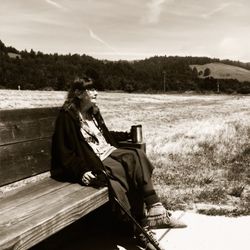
[(51, 218), (17, 213), (31, 191), (26, 124), (22, 160)]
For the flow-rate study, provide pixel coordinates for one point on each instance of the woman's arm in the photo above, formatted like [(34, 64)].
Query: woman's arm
[(64, 156), (121, 136), (116, 135)]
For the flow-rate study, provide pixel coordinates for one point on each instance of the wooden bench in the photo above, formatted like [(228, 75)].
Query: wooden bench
[(33, 206)]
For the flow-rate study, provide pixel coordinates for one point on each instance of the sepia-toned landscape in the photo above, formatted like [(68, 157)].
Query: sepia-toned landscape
[(199, 144), (180, 69)]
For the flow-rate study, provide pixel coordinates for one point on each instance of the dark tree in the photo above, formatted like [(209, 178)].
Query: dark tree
[(207, 72)]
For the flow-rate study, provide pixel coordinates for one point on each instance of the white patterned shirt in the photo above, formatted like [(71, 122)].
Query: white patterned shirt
[(95, 139)]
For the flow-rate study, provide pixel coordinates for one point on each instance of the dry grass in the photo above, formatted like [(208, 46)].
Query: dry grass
[(199, 144), (225, 71)]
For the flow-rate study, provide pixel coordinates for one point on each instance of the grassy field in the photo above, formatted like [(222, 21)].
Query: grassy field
[(225, 71), (199, 144)]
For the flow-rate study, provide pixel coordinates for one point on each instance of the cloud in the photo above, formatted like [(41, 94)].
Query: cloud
[(55, 4), (232, 47), (97, 38), (121, 55), (219, 9), (154, 10)]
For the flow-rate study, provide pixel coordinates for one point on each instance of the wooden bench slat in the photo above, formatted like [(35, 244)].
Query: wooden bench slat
[(33, 206), (26, 124), (44, 222), (22, 160), (29, 192)]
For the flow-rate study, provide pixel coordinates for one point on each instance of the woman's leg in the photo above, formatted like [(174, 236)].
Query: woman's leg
[(137, 174), (139, 171)]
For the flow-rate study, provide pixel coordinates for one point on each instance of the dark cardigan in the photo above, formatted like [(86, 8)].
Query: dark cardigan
[(72, 157), (71, 154)]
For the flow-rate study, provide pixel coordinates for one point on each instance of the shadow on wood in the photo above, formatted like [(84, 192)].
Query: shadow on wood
[(99, 230)]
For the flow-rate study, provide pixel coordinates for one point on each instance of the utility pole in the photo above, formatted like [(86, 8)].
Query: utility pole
[(218, 87), (164, 80)]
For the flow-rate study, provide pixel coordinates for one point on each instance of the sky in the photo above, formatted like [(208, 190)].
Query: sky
[(129, 29)]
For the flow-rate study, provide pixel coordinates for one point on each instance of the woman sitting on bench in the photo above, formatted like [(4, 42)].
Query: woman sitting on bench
[(83, 146)]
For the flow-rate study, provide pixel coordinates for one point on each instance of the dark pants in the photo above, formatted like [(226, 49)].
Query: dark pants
[(131, 182)]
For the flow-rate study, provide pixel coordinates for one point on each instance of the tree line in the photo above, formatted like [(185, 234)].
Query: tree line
[(36, 70)]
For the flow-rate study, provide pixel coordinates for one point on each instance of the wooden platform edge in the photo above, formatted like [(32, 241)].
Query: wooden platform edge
[(63, 218)]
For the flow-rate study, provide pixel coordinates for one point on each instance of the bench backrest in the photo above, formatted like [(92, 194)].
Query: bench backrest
[(25, 142)]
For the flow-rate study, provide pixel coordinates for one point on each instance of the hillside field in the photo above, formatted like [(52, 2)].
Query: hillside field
[(224, 71), (199, 144)]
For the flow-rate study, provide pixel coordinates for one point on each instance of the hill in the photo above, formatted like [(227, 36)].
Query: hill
[(38, 71), (223, 71)]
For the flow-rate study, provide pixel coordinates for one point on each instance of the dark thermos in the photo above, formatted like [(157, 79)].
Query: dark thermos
[(136, 133)]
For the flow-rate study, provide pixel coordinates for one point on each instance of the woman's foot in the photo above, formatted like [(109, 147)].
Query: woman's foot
[(159, 217)]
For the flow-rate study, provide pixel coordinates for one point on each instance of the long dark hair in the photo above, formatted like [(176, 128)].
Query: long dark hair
[(72, 98), (72, 102)]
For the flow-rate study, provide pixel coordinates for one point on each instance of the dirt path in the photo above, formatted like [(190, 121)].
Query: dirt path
[(208, 233), (96, 232)]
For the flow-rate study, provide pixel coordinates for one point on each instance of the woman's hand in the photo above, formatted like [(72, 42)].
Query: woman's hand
[(88, 177)]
